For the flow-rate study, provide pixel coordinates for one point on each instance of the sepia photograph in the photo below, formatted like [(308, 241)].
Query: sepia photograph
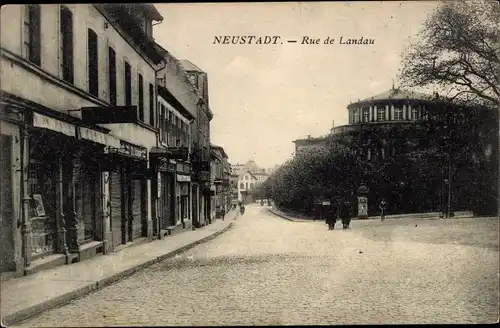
[(250, 163)]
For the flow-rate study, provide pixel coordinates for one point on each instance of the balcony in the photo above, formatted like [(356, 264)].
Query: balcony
[(179, 153)]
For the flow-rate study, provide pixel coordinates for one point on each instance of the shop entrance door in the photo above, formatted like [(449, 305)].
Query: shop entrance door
[(7, 207), (117, 208)]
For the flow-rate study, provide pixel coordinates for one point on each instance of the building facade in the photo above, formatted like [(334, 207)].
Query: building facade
[(173, 184), (76, 130), (220, 181), (246, 183), (200, 133)]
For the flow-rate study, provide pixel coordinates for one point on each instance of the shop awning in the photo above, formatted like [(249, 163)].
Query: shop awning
[(159, 151), (98, 137), (46, 122)]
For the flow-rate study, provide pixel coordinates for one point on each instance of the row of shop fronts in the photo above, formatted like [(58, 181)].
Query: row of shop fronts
[(71, 189)]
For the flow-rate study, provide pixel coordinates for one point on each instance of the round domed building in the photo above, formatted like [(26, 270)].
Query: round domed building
[(451, 149)]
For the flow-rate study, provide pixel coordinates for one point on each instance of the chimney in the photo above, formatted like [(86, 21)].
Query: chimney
[(308, 136), (333, 123)]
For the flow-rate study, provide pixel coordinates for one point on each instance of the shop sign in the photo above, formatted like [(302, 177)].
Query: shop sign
[(143, 174), (183, 167), (159, 185), (183, 178), (131, 150)]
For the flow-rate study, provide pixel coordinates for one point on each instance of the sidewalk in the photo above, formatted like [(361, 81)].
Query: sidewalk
[(27, 296), (423, 216)]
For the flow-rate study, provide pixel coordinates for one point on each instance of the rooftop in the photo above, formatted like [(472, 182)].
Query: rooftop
[(397, 93), (189, 66)]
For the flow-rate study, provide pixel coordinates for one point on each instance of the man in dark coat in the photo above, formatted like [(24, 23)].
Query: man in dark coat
[(331, 218), (346, 214)]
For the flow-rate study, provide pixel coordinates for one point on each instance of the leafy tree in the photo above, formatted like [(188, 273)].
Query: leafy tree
[(458, 51)]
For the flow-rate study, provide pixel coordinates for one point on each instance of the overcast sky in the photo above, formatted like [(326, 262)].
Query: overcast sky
[(265, 96)]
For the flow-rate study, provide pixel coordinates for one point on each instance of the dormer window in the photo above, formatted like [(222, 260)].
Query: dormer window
[(192, 79)]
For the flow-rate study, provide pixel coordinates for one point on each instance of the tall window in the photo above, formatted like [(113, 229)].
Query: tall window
[(32, 45), (128, 84), (151, 105), (161, 121), (366, 115), (112, 75), (398, 114), (140, 87), (414, 113), (381, 114), (93, 64), (66, 29)]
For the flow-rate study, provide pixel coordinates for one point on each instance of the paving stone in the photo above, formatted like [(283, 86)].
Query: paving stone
[(270, 271)]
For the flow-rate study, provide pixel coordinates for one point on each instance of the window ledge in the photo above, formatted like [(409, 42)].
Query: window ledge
[(33, 68)]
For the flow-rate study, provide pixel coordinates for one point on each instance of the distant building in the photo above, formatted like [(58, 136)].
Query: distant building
[(251, 166), (246, 183), (200, 132), (220, 181)]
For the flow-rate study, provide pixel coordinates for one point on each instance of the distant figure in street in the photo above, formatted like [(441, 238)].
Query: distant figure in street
[(346, 214), (382, 206), (242, 209), (331, 219), (223, 212)]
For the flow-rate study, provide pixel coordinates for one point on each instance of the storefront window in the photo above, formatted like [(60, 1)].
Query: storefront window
[(42, 189)]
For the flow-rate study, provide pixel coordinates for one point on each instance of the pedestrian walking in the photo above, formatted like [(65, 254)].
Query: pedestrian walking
[(331, 219), (382, 206), (242, 209), (346, 214), (223, 212)]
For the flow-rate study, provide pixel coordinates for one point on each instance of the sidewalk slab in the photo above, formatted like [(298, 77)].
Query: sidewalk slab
[(28, 296)]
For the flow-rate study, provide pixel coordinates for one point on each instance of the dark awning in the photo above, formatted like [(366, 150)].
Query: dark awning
[(159, 151)]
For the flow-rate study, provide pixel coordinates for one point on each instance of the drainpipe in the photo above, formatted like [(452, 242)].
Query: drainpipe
[(157, 203), (22, 222)]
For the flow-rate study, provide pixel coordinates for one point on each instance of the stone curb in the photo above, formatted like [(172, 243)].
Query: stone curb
[(286, 217), (28, 313), (374, 218)]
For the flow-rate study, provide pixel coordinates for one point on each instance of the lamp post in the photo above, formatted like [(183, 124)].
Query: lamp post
[(447, 181)]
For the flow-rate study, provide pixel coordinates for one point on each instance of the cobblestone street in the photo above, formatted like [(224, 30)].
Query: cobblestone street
[(270, 271)]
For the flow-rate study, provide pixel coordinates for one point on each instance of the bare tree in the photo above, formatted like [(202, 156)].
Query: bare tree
[(458, 52)]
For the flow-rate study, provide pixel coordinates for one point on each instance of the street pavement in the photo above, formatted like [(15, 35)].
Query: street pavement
[(266, 270)]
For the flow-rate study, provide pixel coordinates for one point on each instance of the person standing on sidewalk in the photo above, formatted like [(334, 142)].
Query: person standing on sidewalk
[(223, 212)]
